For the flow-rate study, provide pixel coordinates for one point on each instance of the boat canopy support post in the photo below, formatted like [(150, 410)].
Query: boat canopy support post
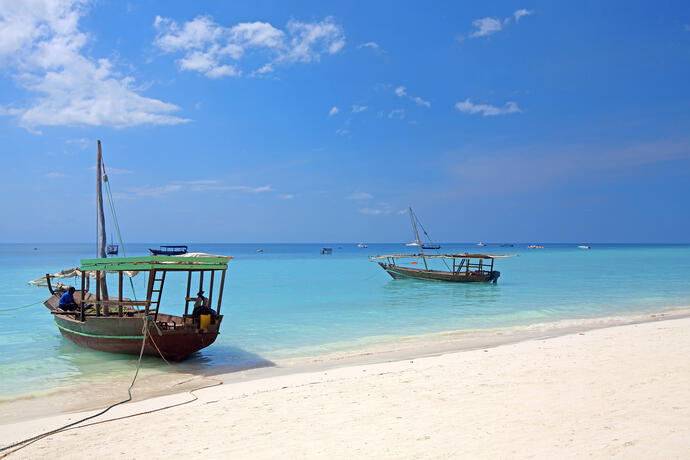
[(149, 290), (119, 293), (50, 286), (220, 292), (189, 287), (98, 292), (210, 288)]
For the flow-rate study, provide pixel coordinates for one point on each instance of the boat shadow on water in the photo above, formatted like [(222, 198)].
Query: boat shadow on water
[(224, 359)]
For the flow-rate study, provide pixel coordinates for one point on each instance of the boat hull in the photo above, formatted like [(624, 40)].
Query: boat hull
[(158, 252), (398, 272), (114, 334)]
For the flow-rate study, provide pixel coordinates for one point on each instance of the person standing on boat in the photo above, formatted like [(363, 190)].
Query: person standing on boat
[(201, 306), (67, 302)]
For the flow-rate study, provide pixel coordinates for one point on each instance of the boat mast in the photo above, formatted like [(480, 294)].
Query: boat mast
[(101, 217), (419, 242)]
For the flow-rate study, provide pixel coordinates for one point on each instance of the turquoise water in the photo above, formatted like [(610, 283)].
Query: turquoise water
[(290, 301)]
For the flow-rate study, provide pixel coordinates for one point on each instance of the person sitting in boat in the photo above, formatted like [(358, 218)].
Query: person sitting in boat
[(201, 306), (67, 302)]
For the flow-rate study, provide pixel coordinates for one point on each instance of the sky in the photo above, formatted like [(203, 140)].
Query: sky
[(312, 121)]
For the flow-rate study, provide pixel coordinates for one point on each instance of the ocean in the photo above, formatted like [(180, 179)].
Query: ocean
[(290, 302)]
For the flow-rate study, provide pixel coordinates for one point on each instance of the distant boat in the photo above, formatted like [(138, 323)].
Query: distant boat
[(362, 245), (465, 268), (481, 244), (584, 246), (535, 246), (171, 250), (259, 250), (507, 245), (431, 246), (412, 244), (327, 251), (112, 249)]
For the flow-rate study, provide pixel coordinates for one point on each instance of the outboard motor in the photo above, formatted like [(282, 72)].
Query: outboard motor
[(493, 276)]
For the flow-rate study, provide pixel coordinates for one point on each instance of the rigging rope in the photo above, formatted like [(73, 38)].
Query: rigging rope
[(116, 223), (430, 241), (20, 308)]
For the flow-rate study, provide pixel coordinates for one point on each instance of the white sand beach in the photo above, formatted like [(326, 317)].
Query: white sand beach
[(619, 391)]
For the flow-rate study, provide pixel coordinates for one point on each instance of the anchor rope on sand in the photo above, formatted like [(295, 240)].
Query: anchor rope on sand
[(147, 336)]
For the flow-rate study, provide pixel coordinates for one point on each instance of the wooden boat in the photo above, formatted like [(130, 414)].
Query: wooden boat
[(465, 268), (170, 250), (115, 324), (327, 251), (431, 246), (112, 249), (120, 325)]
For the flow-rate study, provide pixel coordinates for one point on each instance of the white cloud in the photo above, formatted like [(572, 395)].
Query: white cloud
[(215, 50), (686, 27), (487, 110), (154, 191), (360, 196), (202, 185), (486, 26), (286, 196), (397, 113), (114, 171), (374, 211), (40, 42), (371, 45), (54, 175), (334, 110), (244, 188), (520, 13), (421, 101), (342, 131), (401, 91), (358, 108)]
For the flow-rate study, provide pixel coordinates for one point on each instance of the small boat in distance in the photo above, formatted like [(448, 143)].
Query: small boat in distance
[(170, 250), (414, 243), (327, 251), (481, 244), (466, 268), (535, 246), (259, 250), (507, 245), (584, 246), (431, 246), (112, 249), (362, 245)]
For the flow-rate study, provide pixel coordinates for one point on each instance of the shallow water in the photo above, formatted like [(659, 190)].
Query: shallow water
[(290, 301)]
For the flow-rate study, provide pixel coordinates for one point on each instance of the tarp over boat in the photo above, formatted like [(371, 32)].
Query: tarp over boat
[(445, 256), (72, 273), (113, 265)]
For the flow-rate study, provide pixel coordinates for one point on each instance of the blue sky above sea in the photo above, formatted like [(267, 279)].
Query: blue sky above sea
[(313, 121)]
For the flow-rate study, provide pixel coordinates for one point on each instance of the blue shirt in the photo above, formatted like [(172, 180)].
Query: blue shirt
[(66, 299)]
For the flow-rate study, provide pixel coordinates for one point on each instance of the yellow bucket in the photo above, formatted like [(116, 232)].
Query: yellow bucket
[(204, 320)]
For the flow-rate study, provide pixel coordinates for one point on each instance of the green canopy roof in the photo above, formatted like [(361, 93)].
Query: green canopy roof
[(187, 262)]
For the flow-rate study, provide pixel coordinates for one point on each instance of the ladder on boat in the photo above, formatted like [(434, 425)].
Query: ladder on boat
[(155, 290)]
